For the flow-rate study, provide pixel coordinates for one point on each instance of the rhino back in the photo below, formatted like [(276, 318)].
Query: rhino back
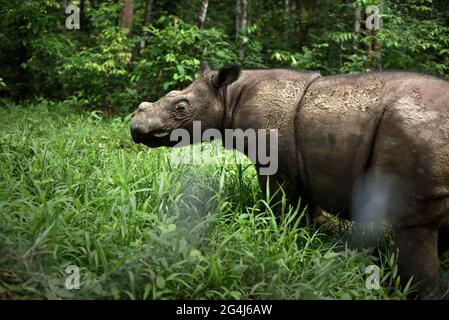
[(389, 123)]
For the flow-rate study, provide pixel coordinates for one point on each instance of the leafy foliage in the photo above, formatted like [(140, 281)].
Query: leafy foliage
[(121, 72), (106, 65), (171, 58)]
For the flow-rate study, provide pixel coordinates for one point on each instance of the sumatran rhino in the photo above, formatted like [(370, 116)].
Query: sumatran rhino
[(337, 136)]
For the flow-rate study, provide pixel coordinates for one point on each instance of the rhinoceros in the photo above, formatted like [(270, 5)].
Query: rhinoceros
[(334, 133)]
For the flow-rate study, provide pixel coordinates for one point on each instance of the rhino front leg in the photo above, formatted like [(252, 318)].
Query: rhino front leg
[(278, 186), (418, 256), (275, 187)]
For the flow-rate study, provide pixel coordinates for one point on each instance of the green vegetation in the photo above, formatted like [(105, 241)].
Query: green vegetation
[(75, 190), (116, 60)]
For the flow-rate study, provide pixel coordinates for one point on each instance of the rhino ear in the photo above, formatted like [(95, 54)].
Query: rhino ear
[(226, 75), (204, 67)]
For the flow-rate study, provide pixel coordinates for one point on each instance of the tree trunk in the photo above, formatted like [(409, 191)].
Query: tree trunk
[(301, 12), (299, 8), (202, 14), (304, 20), (309, 20), (127, 15), (379, 45), (357, 22), (64, 6), (244, 16), (82, 17), (148, 11), (287, 7), (238, 14), (146, 20), (369, 45), (287, 18), (242, 12)]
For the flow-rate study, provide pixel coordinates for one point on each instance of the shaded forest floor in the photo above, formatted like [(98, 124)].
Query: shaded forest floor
[(75, 190)]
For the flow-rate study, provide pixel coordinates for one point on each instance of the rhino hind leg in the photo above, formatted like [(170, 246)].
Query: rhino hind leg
[(418, 256), (330, 224)]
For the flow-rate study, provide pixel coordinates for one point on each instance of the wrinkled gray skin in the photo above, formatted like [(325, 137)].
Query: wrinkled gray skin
[(332, 132)]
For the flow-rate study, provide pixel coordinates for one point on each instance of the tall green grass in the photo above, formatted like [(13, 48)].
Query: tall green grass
[(75, 190)]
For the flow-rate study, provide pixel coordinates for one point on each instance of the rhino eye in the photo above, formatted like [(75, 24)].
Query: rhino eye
[(181, 107)]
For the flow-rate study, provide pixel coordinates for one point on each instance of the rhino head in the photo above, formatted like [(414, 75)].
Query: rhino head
[(203, 100)]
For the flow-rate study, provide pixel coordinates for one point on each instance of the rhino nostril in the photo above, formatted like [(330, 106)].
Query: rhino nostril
[(142, 127), (139, 127), (137, 132)]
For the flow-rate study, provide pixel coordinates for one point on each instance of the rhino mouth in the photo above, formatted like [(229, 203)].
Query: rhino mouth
[(161, 134), (157, 139)]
